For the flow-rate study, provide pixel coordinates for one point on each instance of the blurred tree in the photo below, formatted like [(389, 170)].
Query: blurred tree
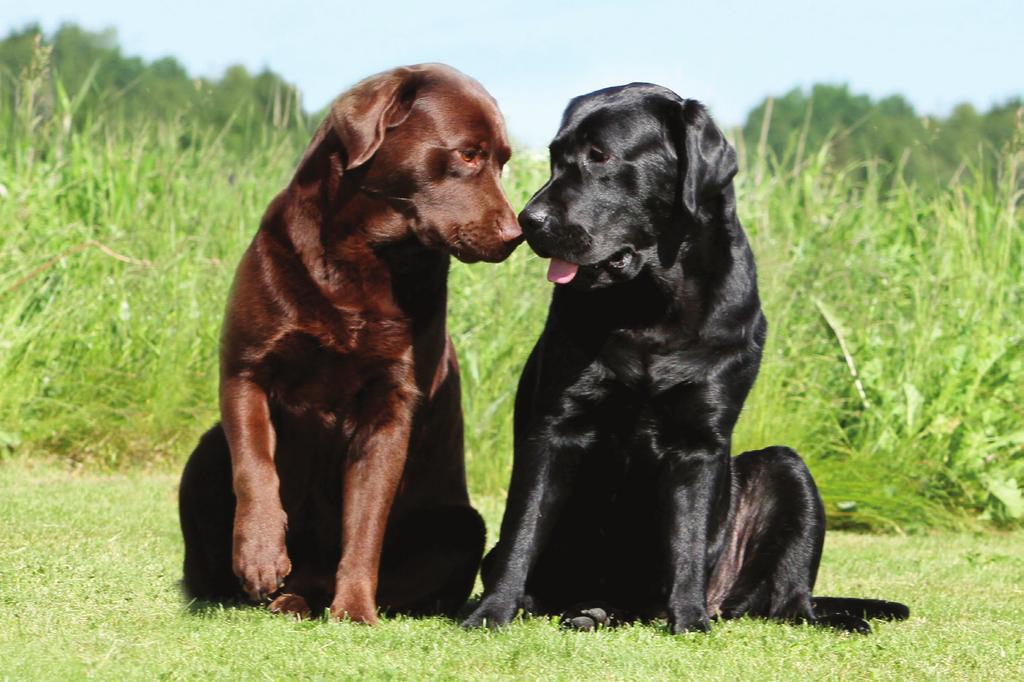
[(111, 89), (927, 151)]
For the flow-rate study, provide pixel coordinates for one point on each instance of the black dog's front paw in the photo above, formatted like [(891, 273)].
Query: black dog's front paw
[(592, 616), (493, 612), (688, 619)]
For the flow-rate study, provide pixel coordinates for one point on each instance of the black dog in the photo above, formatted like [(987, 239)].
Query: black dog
[(623, 489)]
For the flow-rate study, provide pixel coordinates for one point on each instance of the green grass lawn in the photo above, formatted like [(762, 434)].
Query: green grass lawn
[(89, 566)]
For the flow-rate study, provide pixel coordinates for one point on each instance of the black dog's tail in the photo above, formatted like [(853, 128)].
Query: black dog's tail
[(851, 615), (862, 609)]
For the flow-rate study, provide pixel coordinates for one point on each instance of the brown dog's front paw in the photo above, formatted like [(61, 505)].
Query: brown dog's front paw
[(355, 602), (293, 605), (261, 564), (262, 576)]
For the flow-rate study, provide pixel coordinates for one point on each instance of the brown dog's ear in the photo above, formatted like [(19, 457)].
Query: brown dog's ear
[(707, 161), (362, 115), (355, 126)]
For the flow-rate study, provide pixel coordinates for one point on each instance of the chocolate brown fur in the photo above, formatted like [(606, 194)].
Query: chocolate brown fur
[(336, 474)]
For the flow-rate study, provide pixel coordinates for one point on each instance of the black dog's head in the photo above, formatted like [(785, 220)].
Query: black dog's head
[(631, 166)]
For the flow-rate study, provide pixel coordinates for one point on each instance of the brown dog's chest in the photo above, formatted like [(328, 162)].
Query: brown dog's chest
[(336, 375)]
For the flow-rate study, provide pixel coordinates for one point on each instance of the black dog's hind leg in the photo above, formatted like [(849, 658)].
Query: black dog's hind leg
[(771, 563), (771, 559)]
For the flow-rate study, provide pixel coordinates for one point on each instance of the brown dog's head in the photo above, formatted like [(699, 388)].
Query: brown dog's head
[(427, 143)]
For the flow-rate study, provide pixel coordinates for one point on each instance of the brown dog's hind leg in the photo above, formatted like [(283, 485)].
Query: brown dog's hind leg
[(289, 604), (206, 506), (307, 591), (430, 561), (207, 510)]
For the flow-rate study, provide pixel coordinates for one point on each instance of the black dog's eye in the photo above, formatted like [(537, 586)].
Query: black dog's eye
[(596, 155), (620, 260)]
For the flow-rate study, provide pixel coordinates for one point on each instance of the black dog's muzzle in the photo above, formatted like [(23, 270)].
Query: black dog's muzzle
[(550, 238)]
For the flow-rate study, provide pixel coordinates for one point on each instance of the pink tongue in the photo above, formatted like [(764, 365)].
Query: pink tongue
[(561, 272)]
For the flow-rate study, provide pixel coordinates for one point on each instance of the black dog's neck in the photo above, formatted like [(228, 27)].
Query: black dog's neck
[(691, 262), (640, 302)]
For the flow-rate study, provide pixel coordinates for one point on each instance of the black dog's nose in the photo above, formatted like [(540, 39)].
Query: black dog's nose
[(533, 220)]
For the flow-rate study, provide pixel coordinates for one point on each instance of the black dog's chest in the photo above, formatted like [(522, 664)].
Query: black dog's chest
[(647, 365), (647, 393)]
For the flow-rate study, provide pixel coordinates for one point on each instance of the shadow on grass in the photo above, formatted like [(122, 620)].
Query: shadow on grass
[(210, 609)]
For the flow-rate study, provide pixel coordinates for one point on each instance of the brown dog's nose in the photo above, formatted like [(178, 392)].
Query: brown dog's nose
[(509, 230)]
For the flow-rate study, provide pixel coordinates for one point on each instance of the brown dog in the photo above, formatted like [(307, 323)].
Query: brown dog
[(336, 475)]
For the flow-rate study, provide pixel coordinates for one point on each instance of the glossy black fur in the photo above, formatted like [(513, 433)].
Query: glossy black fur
[(623, 489)]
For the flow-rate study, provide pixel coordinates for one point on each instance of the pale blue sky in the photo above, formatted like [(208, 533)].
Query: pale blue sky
[(533, 56)]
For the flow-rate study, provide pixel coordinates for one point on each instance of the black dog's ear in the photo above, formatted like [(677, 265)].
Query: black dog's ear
[(707, 162)]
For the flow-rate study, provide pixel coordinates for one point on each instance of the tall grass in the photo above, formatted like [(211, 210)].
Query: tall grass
[(117, 248), (895, 357)]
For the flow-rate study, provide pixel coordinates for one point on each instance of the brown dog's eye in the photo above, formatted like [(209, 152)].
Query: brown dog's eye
[(469, 155), (596, 155)]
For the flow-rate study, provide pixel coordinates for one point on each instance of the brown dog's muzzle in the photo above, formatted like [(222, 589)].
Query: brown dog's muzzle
[(491, 240), (511, 236)]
